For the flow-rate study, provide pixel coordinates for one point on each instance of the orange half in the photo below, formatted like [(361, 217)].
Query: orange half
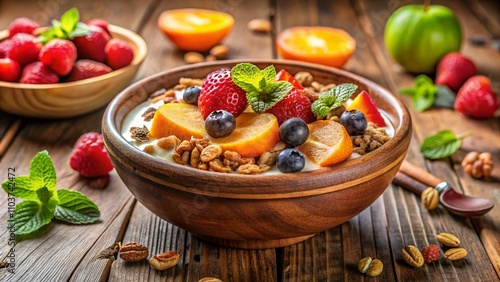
[(195, 29), (316, 44)]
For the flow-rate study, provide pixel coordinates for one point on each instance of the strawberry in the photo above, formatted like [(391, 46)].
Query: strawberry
[(9, 70), (89, 156), (5, 46), (283, 75), (118, 53), (219, 92), (38, 73), (476, 98), (453, 70), (24, 48), (59, 55), (295, 104), (100, 23), (22, 25), (91, 46), (364, 103), (86, 69), (431, 253)]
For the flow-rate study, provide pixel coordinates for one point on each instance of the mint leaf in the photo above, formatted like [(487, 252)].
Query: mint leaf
[(80, 30), (69, 20), (44, 195), (423, 94), (445, 97), (20, 187), (42, 173), (76, 208), (263, 91), (333, 99), (441, 145), (30, 216)]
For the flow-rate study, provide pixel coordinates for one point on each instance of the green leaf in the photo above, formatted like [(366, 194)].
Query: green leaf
[(445, 97), (247, 76), (20, 187), (42, 173), (44, 195), (76, 208), (69, 20), (441, 145), (80, 30), (30, 216), (424, 98), (409, 91), (333, 98)]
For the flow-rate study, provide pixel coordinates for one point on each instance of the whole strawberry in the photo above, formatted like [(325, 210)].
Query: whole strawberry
[(295, 104), (219, 92), (38, 73), (4, 48), (60, 55), (22, 25), (83, 69), (118, 53), (100, 23), (24, 48), (91, 46), (476, 98), (453, 70), (9, 70), (89, 156), (431, 253)]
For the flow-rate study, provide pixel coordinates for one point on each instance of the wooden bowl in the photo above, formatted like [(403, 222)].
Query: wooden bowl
[(69, 99), (255, 211)]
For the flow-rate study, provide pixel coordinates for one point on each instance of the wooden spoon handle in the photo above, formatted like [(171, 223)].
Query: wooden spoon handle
[(409, 183), (419, 174)]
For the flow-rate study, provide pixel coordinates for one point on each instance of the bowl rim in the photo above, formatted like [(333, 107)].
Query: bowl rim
[(158, 169), (139, 57)]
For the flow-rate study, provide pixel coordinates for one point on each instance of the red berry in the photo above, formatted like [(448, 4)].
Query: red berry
[(431, 253), (89, 156), (295, 104), (91, 46), (118, 53), (453, 70), (24, 48), (22, 25), (83, 69), (38, 73), (100, 23), (4, 48), (476, 98), (219, 92), (9, 70), (59, 55)]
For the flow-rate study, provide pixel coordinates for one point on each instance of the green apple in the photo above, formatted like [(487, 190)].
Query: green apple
[(417, 36)]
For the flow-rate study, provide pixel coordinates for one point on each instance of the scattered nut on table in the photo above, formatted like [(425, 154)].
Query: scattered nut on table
[(220, 52), (455, 253), (132, 252), (209, 279), (259, 25), (370, 267), (412, 256), (430, 198), (448, 239), (193, 58), (165, 260), (478, 165)]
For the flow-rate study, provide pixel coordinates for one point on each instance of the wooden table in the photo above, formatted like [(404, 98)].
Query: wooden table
[(66, 252)]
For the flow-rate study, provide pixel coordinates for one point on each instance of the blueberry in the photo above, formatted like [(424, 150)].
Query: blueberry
[(290, 160), (354, 122), (294, 132), (190, 95), (220, 123)]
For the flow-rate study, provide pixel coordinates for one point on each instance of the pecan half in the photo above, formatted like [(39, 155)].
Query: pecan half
[(133, 251), (165, 260)]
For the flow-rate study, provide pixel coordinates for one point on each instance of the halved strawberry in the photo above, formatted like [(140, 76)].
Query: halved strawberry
[(283, 75), (364, 103)]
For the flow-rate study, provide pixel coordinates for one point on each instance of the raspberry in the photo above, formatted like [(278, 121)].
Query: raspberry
[(59, 55), (91, 46), (431, 253), (38, 73), (22, 25), (24, 48), (89, 156), (118, 53), (9, 70), (86, 69)]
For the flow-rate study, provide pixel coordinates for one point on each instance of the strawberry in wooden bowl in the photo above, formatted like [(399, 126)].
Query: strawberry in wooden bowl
[(67, 69), (244, 155)]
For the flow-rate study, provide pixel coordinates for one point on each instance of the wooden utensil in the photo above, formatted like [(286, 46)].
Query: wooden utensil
[(416, 179)]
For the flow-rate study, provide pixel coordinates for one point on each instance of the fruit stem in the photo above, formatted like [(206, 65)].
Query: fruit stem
[(427, 3), (463, 135)]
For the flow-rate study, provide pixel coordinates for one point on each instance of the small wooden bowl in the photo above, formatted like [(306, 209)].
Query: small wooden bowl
[(255, 211), (69, 99)]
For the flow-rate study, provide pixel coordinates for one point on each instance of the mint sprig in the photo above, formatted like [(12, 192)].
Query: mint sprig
[(262, 90), (43, 202), (442, 144), (68, 27), (426, 94), (333, 98)]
